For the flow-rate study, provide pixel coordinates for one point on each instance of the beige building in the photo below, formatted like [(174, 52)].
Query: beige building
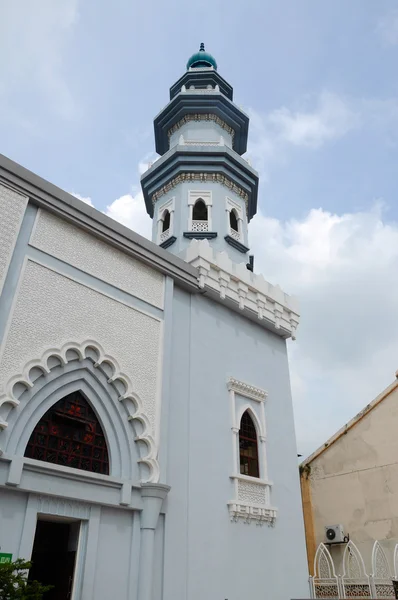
[(352, 481)]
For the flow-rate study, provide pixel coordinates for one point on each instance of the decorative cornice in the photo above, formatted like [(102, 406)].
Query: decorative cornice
[(250, 513), (202, 178), (201, 117), (246, 390), (14, 388), (233, 283)]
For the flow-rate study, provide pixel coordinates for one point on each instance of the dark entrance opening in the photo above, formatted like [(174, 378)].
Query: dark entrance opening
[(53, 557)]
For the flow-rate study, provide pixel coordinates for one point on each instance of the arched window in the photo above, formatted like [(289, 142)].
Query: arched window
[(248, 450), (233, 220), (69, 434), (166, 221), (199, 211)]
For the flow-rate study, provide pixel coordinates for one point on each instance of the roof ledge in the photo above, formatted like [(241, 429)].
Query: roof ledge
[(243, 290)]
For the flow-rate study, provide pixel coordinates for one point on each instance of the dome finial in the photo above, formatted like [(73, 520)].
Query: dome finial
[(202, 60)]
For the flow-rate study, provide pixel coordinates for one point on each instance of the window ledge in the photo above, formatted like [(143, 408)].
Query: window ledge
[(200, 235), (235, 244), (255, 480), (168, 242), (251, 513), (252, 500)]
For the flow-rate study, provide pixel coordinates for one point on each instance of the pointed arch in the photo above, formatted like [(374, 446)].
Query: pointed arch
[(70, 434), (325, 582), (380, 566), (382, 577), (256, 420), (355, 581), (200, 212), (233, 220), (323, 563), (353, 565), (249, 460), (75, 366), (165, 220)]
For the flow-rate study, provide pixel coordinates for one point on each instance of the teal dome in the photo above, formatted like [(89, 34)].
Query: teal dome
[(201, 59)]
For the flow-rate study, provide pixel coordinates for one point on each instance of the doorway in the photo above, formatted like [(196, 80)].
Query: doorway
[(54, 556)]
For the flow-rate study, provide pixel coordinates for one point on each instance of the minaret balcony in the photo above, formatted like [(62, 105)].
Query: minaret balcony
[(165, 235), (200, 226), (189, 104), (234, 234), (218, 164)]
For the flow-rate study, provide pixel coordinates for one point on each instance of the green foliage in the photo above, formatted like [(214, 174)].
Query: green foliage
[(14, 584)]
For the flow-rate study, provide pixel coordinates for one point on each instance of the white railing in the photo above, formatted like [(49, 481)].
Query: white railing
[(234, 234), (200, 226), (164, 235), (354, 581), (201, 143), (193, 90)]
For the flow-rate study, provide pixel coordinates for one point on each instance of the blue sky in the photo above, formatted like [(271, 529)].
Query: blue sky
[(80, 84)]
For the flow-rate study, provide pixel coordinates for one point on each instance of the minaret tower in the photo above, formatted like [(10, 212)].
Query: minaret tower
[(201, 187)]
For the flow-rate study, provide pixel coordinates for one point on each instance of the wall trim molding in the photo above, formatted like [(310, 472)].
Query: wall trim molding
[(252, 495)]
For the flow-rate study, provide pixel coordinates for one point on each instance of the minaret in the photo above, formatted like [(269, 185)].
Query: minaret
[(201, 187)]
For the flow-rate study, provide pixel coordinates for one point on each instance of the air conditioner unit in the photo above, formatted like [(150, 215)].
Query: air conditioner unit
[(335, 534)]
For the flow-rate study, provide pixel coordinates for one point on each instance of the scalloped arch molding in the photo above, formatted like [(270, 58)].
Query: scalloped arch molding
[(52, 357)]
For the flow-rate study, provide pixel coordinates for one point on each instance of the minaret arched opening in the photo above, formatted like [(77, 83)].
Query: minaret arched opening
[(70, 434), (200, 211), (233, 220), (165, 221), (248, 447)]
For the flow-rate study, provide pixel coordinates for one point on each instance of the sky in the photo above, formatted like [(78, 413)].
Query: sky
[(82, 80)]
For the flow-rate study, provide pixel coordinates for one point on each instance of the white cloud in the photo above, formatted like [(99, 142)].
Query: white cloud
[(331, 118), (323, 119), (85, 199), (343, 269), (33, 37), (388, 28), (130, 211)]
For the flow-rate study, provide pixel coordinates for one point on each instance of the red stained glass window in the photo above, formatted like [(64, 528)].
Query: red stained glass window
[(70, 434), (248, 449)]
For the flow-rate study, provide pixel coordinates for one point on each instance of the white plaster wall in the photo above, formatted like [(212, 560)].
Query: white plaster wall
[(12, 209), (12, 515), (113, 561), (108, 559), (84, 251), (51, 309), (355, 482)]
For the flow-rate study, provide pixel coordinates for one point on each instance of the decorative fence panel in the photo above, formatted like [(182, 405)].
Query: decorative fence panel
[(325, 583), (354, 582), (382, 577)]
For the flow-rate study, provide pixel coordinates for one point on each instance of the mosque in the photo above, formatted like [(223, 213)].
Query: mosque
[(147, 445)]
